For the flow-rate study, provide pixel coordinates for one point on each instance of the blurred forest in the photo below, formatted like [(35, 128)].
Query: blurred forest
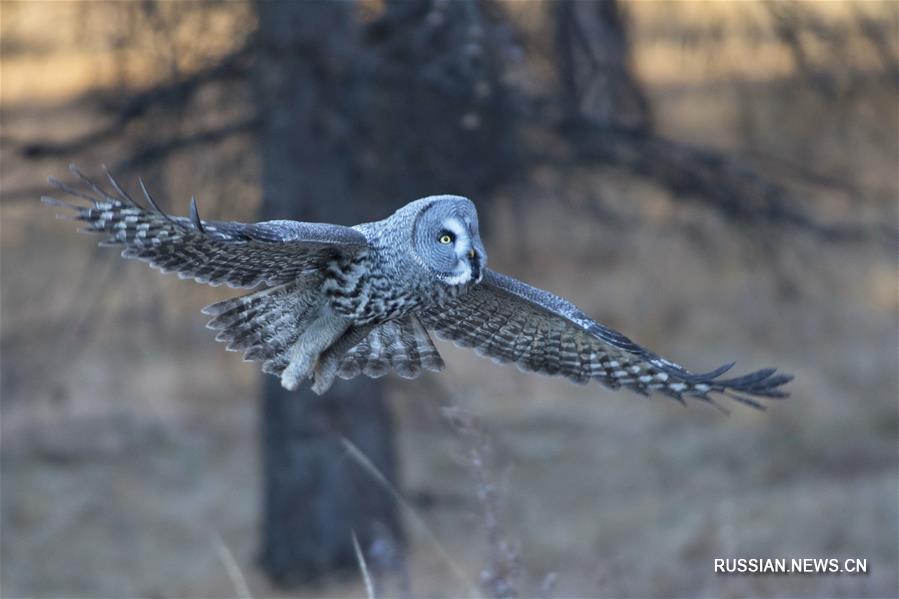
[(717, 180)]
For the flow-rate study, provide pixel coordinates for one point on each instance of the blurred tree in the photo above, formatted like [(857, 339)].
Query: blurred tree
[(606, 119), (360, 107), (436, 101), (314, 497), (595, 76), (354, 123)]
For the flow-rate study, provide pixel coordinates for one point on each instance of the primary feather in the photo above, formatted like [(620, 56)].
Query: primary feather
[(213, 252), (510, 321)]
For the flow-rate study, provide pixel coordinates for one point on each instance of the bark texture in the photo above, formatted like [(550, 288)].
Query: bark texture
[(315, 497)]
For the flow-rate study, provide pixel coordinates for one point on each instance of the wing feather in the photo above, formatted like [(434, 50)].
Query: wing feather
[(510, 321), (399, 345), (213, 252)]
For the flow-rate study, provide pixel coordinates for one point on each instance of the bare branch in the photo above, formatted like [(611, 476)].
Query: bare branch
[(149, 154), (233, 66), (500, 576), (363, 568), (715, 179)]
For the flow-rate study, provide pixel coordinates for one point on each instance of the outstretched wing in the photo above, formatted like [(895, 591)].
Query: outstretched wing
[(510, 321), (213, 252)]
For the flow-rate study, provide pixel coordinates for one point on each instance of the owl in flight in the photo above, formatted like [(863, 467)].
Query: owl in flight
[(341, 301)]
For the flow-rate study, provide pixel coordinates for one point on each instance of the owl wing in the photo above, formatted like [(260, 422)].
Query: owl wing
[(214, 252), (510, 321)]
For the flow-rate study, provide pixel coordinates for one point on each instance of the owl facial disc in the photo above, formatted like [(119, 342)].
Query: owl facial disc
[(468, 266), (447, 240)]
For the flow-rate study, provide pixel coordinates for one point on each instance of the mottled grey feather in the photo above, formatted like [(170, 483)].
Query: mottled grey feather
[(266, 324), (238, 254), (399, 345), (510, 321)]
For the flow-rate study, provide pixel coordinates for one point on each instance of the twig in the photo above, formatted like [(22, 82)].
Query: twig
[(153, 152), (500, 577), (715, 179), (369, 588), (379, 477), (234, 573), (148, 154), (232, 66)]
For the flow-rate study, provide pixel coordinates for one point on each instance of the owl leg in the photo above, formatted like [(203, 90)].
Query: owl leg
[(305, 353), (325, 369)]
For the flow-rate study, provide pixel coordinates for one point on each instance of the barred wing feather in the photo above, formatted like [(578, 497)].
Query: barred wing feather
[(510, 321), (213, 252)]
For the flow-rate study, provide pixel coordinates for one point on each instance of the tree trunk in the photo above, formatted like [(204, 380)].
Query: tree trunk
[(595, 74), (315, 497)]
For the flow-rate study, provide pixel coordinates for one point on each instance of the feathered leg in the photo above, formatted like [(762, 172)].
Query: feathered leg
[(284, 327), (304, 355), (329, 361)]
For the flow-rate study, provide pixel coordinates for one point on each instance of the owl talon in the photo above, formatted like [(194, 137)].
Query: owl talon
[(322, 384), (324, 374), (295, 372), (289, 381)]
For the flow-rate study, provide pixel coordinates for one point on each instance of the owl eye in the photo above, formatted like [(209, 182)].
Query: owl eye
[(445, 238)]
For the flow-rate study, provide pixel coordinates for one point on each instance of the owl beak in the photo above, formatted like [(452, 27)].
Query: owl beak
[(475, 262)]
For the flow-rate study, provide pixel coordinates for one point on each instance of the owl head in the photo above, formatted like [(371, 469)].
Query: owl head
[(446, 240)]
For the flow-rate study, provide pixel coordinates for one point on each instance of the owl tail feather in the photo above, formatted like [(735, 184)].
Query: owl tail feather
[(400, 345), (265, 325), (403, 346)]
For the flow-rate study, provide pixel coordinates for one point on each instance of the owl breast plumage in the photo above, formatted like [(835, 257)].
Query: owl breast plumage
[(381, 283), (337, 301)]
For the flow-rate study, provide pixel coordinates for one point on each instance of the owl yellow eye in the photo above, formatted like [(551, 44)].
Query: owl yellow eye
[(445, 239)]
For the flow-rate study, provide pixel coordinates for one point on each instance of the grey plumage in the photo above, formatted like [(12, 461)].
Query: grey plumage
[(348, 301), (402, 346), (510, 321)]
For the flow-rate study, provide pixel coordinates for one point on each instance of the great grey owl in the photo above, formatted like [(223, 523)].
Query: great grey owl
[(344, 301)]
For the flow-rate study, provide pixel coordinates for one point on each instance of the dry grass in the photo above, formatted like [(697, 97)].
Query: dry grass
[(118, 442), (127, 434)]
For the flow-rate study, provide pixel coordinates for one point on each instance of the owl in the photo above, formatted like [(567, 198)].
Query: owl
[(334, 301)]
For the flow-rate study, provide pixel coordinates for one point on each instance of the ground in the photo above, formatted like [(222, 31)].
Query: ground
[(129, 446)]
